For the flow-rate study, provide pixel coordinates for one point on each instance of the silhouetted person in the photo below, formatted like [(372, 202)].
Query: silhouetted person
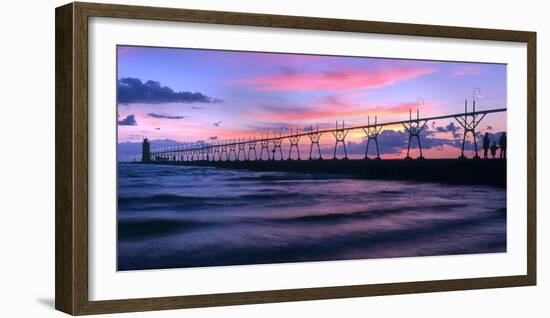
[(502, 145), (494, 148), (486, 145)]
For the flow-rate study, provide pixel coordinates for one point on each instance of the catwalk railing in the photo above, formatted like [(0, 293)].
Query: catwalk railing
[(243, 149)]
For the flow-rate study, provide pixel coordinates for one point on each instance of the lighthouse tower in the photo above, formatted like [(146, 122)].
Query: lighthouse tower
[(146, 151)]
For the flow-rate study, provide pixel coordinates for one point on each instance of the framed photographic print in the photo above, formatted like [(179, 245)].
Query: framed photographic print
[(211, 158)]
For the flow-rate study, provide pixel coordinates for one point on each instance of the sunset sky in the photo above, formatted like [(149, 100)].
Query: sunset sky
[(180, 94)]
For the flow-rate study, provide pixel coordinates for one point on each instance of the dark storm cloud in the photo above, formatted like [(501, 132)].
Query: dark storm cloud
[(389, 142), (130, 120), (451, 127), (133, 90), (394, 141), (155, 115)]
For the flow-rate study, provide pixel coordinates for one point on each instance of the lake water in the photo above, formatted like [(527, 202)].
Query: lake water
[(178, 216)]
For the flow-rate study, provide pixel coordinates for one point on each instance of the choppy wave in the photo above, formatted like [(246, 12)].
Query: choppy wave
[(193, 216)]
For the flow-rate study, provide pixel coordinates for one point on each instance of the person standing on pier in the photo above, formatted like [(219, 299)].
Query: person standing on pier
[(494, 148), (502, 145), (486, 145)]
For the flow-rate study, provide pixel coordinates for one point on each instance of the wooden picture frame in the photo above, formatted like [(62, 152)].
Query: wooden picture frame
[(72, 280)]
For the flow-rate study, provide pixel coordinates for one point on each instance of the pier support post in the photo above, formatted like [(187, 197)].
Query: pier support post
[(242, 146), (277, 146), (215, 150), (414, 127), (172, 155), (294, 139), (372, 133), (224, 151), (252, 147), (340, 135), (314, 137), (232, 147), (209, 152), (469, 122), (264, 143)]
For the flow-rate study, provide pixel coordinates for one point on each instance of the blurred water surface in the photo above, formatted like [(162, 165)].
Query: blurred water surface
[(177, 216)]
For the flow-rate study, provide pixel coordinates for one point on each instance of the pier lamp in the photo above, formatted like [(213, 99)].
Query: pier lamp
[(474, 97), (418, 101)]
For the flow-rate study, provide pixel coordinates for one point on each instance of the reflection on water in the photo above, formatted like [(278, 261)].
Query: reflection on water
[(176, 216)]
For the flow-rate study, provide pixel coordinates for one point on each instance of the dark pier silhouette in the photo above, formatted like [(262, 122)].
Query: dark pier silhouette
[(451, 171), (413, 126), (237, 154)]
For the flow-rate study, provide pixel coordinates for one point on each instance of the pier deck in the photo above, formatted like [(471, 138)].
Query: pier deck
[(453, 171)]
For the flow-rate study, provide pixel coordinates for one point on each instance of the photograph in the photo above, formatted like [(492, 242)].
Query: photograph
[(248, 158), (222, 156)]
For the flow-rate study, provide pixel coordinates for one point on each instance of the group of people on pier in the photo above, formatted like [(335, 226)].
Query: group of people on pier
[(487, 146)]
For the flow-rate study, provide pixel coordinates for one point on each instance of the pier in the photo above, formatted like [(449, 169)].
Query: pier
[(242, 153), (451, 171), (413, 126)]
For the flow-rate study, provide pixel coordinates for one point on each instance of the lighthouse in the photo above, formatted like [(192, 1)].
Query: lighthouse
[(145, 151)]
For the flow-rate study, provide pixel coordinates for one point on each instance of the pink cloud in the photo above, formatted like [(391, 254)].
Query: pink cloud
[(334, 108), (466, 70), (340, 80)]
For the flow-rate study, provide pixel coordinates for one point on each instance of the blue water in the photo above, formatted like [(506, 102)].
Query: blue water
[(176, 216)]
